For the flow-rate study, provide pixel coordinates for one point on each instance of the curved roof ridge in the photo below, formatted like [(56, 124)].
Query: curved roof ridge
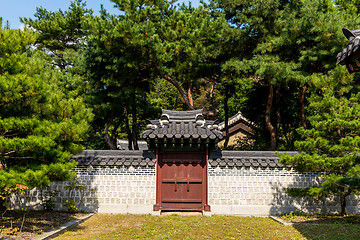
[(181, 126), (182, 115), (235, 119)]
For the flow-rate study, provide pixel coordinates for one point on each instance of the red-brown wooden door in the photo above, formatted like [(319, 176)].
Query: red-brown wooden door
[(182, 181)]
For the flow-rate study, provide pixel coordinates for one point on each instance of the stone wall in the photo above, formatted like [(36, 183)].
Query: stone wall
[(120, 189), (239, 183), (260, 192), (108, 190), (254, 191)]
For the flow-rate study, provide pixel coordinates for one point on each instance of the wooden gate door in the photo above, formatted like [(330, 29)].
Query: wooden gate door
[(182, 181)]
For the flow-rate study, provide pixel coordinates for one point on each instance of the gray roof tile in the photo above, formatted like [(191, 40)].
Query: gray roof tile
[(353, 46), (238, 117), (182, 125), (245, 159), (115, 158), (145, 158)]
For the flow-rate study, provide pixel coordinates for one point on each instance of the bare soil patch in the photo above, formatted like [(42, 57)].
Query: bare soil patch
[(18, 224), (320, 218)]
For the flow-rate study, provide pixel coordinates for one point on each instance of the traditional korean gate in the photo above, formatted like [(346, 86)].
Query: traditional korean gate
[(181, 141), (182, 181)]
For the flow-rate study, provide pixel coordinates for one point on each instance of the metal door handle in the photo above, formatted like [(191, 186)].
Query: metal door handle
[(187, 183), (175, 185)]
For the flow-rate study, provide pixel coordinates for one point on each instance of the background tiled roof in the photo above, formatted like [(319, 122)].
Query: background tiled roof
[(238, 117), (353, 46)]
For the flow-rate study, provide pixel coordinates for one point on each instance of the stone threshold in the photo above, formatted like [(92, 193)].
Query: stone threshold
[(181, 213)]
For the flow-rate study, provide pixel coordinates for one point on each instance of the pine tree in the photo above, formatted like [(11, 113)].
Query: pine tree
[(61, 33), (41, 126), (331, 146), (147, 41), (283, 44)]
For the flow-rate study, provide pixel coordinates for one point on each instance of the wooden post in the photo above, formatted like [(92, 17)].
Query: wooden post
[(205, 182), (157, 205)]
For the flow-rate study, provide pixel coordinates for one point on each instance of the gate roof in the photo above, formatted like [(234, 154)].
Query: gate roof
[(181, 128)]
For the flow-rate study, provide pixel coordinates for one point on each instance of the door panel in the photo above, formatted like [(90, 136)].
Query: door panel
[(182, 183)]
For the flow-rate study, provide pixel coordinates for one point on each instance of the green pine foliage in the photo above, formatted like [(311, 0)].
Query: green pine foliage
[(273, 60), (331, 146), (61, 32), (283, 43), (131, 54), (41, 125)]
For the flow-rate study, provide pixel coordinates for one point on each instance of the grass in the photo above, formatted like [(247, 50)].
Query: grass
[(27, 224), (114, 226)]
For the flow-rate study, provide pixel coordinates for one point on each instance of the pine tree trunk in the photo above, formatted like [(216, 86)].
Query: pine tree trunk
[(108, 138), (191, 101), (181, 91), (211, 94), (226, 110), (178, 87), (277, 113), (134, 122), (269, 126), (114, 134), (212, 112), (302, 105), (127, 127), (343, 204)]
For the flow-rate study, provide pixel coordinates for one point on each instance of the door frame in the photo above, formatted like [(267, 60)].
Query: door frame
[(204, 162)]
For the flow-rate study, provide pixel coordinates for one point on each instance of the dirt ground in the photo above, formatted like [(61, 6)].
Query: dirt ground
[(27, 224)]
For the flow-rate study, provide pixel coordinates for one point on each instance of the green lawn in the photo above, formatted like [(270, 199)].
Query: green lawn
[(114, 226)]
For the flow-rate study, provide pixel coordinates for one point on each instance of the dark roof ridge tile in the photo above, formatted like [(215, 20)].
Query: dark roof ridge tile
[(114, 153), (256, 154)]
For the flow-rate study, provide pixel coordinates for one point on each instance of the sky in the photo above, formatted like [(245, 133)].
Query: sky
[(12, 10)]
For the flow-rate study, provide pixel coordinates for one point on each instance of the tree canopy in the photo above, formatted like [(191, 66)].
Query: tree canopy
[(149, 41), (61, 32), (332, 145), (284, 44), (273, 60), (41, 126), (258, 57)]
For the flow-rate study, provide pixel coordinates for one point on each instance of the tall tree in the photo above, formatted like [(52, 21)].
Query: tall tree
[(148, 41), (41, 126), (116, 77), (181, 44), (284, 43), (331, 146), (62, 36), (61, 33)]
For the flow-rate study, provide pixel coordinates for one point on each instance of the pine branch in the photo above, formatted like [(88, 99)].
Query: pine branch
[(177, 85)]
